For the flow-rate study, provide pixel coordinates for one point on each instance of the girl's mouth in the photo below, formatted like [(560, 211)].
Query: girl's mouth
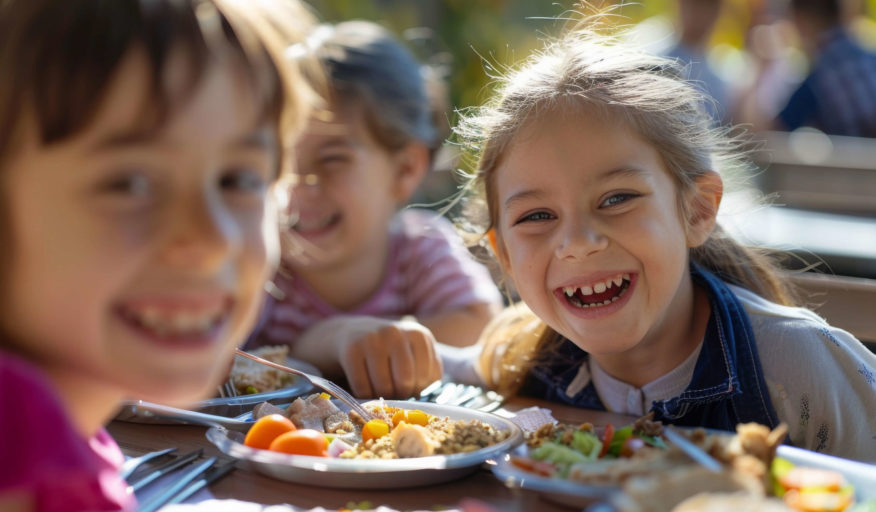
[(177, 325), (598, 294), (316, 226)]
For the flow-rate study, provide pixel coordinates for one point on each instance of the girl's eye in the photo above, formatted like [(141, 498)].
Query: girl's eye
[(617, 199), (333, 159), (134, 185), (244, 181), (534, 217)]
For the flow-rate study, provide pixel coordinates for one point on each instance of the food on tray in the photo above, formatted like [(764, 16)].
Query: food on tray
[(811, 489), (653, 475), (250, 377), (266, 429), (393, 433), (582, 454)]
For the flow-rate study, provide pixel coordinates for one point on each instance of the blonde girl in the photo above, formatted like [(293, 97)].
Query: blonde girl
[(600, 178), (139, 143)]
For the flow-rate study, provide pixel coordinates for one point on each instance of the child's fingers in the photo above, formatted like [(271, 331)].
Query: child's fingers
[(403, 364), (380, 372), (428, 366), (354, 363)]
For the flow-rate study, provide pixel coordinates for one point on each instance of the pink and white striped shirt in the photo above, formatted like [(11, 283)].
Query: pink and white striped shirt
[(429, 271)]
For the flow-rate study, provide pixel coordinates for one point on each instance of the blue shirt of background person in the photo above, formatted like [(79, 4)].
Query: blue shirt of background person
[(839, 95)]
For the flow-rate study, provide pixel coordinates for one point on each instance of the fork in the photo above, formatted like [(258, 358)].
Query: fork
[(227, 389), (130, 465), (320, 382)]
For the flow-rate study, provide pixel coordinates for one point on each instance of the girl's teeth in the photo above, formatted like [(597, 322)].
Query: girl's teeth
[(600, 287), (180, 322)]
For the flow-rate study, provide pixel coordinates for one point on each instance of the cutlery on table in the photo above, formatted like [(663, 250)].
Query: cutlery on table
[(164, 469), (131, 464), (162, 498), (215, 473), (227, 389), (320, 382), (167, 412)]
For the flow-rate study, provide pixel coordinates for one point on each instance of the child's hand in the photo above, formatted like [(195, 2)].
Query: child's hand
[(388, 358)]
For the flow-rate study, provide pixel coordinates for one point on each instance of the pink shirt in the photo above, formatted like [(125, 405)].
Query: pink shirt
[(42, 454), (429, 271)]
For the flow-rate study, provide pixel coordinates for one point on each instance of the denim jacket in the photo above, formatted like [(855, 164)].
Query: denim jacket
[(727, 388)]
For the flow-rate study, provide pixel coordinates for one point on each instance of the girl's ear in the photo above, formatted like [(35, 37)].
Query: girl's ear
[(412, 162), (703, 203)]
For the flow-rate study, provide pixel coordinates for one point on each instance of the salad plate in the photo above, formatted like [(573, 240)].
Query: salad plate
[(579, 495), (373, 473)]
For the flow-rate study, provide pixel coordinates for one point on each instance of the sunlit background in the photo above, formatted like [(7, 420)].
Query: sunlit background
[(818, 186)]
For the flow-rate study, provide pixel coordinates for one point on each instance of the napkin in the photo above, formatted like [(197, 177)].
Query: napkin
[(532, 418)]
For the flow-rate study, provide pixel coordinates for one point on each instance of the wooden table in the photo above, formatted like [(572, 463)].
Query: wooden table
[(246, 485)]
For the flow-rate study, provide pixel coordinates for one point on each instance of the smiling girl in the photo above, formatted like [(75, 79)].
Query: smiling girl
[(601, 177), (139, 142), (378, 284)]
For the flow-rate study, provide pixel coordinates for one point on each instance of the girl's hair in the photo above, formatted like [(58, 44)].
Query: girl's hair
[(370, 68), (589, 71), (59, 58)]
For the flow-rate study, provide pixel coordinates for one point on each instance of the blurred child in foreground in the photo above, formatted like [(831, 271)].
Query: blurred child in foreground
[(370, 288), (600, 172), (139, 144)]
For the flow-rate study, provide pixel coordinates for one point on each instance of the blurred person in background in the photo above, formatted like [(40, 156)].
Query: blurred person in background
[(696, 21), (838, 95)]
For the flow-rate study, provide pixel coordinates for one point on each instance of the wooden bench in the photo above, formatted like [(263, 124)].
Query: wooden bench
[(845, 302)]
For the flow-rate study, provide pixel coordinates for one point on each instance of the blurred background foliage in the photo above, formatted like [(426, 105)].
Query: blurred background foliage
[(468, 41), (459, 36)]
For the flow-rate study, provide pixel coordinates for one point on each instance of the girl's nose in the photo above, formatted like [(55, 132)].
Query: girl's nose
[(306, 181), (579, 239), (205, 234)]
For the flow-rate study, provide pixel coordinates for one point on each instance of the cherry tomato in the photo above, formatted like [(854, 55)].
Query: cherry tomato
[(537, 467), (302, 442), (606, 439), (266, 429)]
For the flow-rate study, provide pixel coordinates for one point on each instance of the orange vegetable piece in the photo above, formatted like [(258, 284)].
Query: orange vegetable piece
[(266, 429), (399, 416), (411, 417), (302, 442), (802, 477), (374, 429), (418, 417)]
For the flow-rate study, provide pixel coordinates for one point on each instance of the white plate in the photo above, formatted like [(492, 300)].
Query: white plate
[(861, 476), (374, 474)]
